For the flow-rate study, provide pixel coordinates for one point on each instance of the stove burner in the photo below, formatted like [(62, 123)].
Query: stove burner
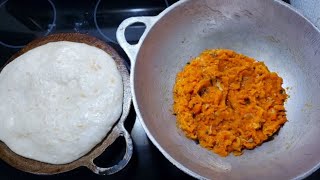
[(108, 16), (113, 40), (19, 25), (167, 3)]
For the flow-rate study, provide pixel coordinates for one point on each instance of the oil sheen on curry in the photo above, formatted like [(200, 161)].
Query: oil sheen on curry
[(228, 102)]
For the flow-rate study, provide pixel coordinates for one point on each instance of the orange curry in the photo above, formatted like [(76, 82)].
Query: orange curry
[(228, 102)]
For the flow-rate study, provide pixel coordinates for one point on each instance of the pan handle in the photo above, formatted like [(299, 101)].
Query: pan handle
[(122, 163), (132, 50), (117, 131)]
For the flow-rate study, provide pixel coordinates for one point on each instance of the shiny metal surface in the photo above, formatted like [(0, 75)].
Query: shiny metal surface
[(310, 8), (270, 31)]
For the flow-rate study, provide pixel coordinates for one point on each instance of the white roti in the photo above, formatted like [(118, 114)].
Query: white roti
[(58, 101)]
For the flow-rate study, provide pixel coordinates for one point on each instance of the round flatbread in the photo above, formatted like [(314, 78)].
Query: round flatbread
[(58, 101)]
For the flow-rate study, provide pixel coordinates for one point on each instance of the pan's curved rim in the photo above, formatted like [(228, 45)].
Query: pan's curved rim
[(149, 134)]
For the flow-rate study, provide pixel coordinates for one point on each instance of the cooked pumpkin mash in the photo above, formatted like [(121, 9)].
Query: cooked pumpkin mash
[(228, 102)]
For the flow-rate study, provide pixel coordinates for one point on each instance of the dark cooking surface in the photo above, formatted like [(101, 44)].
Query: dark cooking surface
[(23, 21)]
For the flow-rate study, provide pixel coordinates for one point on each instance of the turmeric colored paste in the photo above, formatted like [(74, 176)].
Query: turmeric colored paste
[(228, 102)]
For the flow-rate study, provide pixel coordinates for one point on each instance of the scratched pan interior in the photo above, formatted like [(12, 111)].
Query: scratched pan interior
[(269, 31)]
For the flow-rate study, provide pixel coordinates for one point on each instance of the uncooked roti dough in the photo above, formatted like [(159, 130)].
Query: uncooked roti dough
[(58, 101)]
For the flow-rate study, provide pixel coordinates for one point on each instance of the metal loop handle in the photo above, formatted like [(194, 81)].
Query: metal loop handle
[(123, 162), (132, 50)]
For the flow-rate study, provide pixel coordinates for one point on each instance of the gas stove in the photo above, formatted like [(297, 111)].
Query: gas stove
[(24, 21)]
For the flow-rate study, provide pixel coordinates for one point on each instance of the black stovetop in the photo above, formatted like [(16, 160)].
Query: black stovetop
[(23, 21)]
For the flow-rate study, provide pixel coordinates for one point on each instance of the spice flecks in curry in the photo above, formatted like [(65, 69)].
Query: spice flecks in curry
[(228, 101)]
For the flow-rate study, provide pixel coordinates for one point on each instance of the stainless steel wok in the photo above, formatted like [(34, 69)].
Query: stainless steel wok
[(268, 30)]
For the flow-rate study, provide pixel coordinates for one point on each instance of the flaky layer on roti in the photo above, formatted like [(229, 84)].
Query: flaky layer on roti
[(58, 101)]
